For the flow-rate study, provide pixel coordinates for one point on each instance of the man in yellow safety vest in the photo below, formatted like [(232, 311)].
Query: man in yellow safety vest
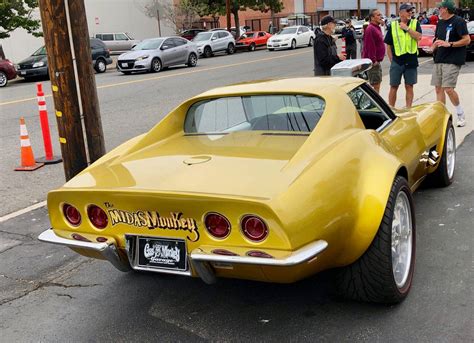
[(402, 50)]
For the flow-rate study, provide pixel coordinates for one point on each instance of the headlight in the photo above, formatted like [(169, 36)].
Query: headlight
[(17, 67), (141, 58), (38, 64)]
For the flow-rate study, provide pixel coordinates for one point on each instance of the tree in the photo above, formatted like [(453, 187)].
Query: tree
[(16, 14), (183, 14)]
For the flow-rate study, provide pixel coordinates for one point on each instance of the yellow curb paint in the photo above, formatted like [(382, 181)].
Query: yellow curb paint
[(62, 140), (55, 88), (59, 114)]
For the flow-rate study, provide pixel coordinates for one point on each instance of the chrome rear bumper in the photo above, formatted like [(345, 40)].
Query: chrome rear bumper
[(200, 260)]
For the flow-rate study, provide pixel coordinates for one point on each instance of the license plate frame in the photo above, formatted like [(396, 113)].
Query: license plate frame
[(161, 254)]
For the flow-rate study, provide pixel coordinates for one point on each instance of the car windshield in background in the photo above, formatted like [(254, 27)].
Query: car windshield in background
[(200, 37), (149, 44), (288, 31), (247, 35), (470, 28), (41, 51), (298, 113), (428, 31)]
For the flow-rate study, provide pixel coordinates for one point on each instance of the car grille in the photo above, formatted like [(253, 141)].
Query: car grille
[(126, 64), (276, 41), (25, 66)]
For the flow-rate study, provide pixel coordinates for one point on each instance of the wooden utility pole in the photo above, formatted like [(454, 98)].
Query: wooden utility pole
[(67, 88), (227, 13), (358, 9)]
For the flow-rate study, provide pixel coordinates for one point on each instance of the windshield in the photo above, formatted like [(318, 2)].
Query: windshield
[(203, 36), (428, 31), (247, 35), (149, 44), (288, 31), (41, 51), (298, 113), (129, 36)]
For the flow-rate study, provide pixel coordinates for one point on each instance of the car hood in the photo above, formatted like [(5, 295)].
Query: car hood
[(131, 55), (246, 164), (34, 59)]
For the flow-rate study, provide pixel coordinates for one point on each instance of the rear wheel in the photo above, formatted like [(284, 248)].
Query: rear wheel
[(192, 60), (3, 79), (100, 66), (444, 174), (207, 51), (384, 273), (156, 65), (252, 47), (230, 48)]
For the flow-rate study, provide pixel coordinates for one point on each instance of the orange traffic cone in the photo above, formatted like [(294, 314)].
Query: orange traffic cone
[(27, 159)]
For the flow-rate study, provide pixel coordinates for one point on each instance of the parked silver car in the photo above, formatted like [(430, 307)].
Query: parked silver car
[(118, 41), (155, 53), (211, 42)]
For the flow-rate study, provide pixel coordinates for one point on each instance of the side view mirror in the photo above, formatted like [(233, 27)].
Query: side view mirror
[(164, 47), (213, 38)]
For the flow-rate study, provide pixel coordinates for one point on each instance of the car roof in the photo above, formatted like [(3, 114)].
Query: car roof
[(304, 85)]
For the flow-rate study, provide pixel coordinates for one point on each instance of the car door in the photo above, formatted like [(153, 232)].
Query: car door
[(222, 40), (95, 49), (108, 39), (169, 55), (122, 42), (261, 38), (182, 50)]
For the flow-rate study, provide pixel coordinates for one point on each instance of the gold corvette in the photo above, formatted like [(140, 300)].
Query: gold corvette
[(271, 181)]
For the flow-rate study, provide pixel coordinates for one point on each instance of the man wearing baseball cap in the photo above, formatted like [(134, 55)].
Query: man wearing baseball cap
[(402, 50), (325, 50), (449, 51)]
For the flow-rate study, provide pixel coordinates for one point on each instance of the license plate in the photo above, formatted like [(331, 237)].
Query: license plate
[(124, 65), (22, 72), (162, 253)]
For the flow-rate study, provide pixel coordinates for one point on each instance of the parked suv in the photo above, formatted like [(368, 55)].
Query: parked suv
[(211, 42), (37, 63), (118, 41)]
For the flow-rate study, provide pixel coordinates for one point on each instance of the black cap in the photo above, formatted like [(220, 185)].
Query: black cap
[(327, 19), (406, 6)]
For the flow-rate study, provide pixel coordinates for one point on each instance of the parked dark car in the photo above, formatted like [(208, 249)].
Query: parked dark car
[(7, 72), (37, 64), (191, 33)]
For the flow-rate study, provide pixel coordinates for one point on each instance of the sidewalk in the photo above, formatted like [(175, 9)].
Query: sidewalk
[(425, 93)]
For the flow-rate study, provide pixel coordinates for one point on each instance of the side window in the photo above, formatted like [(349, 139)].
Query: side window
[(370, 112), (108, 37), (261, 34), (120, 36), (300, 30), (98, 36), (305, 29), (168, 44), (223, 34), (179, 42)]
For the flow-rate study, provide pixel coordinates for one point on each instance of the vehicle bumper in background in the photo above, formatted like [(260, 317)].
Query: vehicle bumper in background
[(41, 71), (201, 259), (283, 45), (129, 66), (108, 60)]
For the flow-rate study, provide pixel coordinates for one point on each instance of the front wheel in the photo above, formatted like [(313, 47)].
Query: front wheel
[(384, 273), (100, 66), (252, 47), (3, 79), (156, 65), (230, 49), (293, 44), (207, 51), (311, 41), (271, 49), (192, 60), (444, 174)]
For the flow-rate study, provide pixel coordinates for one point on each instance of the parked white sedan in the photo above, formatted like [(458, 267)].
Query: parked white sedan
[(291, 37)]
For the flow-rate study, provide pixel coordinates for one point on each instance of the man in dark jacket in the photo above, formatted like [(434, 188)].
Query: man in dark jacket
[(325, 50), (349, 35)]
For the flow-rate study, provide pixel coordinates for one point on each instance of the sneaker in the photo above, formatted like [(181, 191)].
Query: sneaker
[(461, 120)]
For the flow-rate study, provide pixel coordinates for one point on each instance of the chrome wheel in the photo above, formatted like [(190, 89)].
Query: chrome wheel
[(156, 65), (402, 239), (450, 152), (192, 61), (293, 44), (3, 79), (101, 66)]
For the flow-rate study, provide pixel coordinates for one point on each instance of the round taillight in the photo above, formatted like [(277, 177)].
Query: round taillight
[(72, 214), (261, 254), (97, 216), (254, 228), (217, 225), (224, 252)]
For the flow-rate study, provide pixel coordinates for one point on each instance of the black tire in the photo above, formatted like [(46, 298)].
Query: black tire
[(252, 47), (100, 66), (156, 65), (207, 52), (230, 49), (371, 277), (441, 176), (311, 41), (271, 49), (293, 45), (192, 60), (3, 79)]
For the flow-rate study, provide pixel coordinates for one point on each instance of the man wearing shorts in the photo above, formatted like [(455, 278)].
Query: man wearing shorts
[(402, 49), (374, 48), (451, 38)]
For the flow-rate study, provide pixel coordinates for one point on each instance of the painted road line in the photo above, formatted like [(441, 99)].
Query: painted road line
[(22, 211), (171, 75)]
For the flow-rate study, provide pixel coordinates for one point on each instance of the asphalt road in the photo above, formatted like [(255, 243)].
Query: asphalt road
[(48, 293), (130, 105)]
